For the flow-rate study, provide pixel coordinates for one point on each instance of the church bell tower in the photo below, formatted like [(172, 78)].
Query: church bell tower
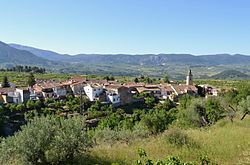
[(189, 80)]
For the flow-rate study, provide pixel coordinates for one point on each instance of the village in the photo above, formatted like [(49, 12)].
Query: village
[(105, 91)]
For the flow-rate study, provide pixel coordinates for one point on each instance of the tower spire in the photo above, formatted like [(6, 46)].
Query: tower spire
[(189, 80), (190, 72)]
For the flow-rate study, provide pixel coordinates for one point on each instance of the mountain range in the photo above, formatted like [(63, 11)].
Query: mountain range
[(10, 55), (121, 64), (146, 59)]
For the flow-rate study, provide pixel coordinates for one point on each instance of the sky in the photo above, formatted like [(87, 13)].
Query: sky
[(128, 26)]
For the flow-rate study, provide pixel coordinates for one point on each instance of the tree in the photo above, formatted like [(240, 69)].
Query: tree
[(38, 104), (111, 78), (5, 82), (201, 91), (46, 140), (94, 110), (166, 105), (193, 114), (20, 107), (158, 120), (165, 79), (136, 80), (244, 106), (214, 110), (148, 80), (150, 101), (200, 112), (185, 100), (31, 80), (30, 104), (106, 78)]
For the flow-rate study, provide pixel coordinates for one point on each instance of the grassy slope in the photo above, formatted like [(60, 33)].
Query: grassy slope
[(225, 143)]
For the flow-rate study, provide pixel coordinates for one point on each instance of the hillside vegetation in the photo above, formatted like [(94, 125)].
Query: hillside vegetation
[(230, 74), (224, 143)]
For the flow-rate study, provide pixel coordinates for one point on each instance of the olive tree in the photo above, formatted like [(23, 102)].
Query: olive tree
[(46, 140), (244, 106)]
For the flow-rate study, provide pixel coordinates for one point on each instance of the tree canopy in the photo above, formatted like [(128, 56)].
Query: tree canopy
[(5, 82), (46, 140)]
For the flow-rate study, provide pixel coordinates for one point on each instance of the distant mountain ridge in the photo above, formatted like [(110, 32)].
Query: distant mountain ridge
[(10, 55), (147, 59), (174, 65), (46, 54)]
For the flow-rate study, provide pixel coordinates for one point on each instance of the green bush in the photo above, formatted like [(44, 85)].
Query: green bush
[(46, 140), (110, 136), (171, 160), (200, 113), (178, 138), (157, 121)]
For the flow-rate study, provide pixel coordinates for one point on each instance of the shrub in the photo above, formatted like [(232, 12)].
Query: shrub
[(244, 106), (109, 136), (20, 107), (177, 138), (46, 140), (171, 160), (214, 110), (105, 135), (158, 120), (200, 113), (30, 104)]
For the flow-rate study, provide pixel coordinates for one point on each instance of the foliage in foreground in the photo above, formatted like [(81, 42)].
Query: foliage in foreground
[(225, 143), (177, 138), (46, 140), (199, 112), (172, 160)]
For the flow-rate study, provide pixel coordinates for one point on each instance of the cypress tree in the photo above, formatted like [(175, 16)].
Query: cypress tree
[(31, 80), (5, 82)]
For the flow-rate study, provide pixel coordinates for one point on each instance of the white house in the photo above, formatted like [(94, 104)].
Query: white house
[(14, 97), (93, 91), (76, 88), (48, 93), (60, 91), (113, 98), (24, 94)]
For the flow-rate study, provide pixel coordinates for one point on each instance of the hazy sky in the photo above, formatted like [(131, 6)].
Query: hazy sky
[(128, 26)]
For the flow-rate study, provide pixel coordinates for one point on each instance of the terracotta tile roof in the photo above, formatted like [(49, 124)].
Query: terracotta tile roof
[(167, 88), (131, 84), (37, 88), (151, 86), (48, 84), (97, 81), (94, 85), (144, 89), (113, 86), (181, 89), (78, 79)]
